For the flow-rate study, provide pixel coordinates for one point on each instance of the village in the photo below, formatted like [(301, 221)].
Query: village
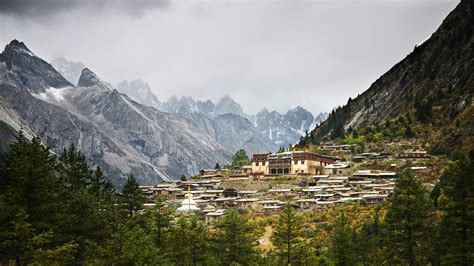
[(309, 180)]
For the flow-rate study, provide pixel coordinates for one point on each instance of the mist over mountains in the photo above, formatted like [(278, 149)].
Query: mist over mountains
[(126, 129), (276, 129)]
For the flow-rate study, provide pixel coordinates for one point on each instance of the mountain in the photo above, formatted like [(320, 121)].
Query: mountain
[(225, 122), (29, 70), (286, 129), (319, 119), (432, 87), (70, 70), (206, 108), (113, 131), (272, 130), (300, 119), (275, 127), (232, 131), (140, 92), (227, 105)]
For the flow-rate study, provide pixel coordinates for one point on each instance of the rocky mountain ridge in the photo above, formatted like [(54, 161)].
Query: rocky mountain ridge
[(113, 131), (276, 130), (432, 87)]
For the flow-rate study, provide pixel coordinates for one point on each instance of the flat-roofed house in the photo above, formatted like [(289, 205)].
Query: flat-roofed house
[(225, 202), (337, 169), (374, 198), (247, 193), (290, 163), (279, 191), (246, 203), (306, 203), (419, 154)]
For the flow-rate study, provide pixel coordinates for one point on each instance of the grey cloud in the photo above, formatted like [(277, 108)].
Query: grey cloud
[(43, 8), (274, 54)]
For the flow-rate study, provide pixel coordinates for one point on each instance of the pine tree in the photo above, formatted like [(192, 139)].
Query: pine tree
[(408, 221), (189, 243), (342, 247), (85, 219), (132, 197), (28, 247), (456, 238), (240, 158), (132, 245), (28, 186), (74, 169), (368, 243), (338, 132), (235, 241), (409, 132), (355, 134), (161, 217), (286, 234)]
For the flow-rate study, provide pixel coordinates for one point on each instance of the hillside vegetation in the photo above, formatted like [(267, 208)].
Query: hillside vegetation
[(431, 89)]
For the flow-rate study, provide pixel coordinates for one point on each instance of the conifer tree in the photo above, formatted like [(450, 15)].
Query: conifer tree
[(29, 184), (189, 243), (409, 132), (235, 241), (456, 238), (161, 218), (286, 234), (408, 221), (132, 245), (240, 158), (74, 169), (342, 247), (338, 132), (132, 197), (29, 247), (84, 220), (368, 242)]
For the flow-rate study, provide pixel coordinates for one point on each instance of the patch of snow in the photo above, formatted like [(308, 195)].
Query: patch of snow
[(52, 94)]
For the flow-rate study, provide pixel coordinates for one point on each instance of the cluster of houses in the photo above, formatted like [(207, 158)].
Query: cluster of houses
[(321, 192), (324, 183)]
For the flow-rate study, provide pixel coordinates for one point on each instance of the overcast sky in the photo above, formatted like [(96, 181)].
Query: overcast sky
[(274, 54)]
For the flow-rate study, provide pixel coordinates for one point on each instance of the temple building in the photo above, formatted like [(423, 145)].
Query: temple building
[(290, 163)]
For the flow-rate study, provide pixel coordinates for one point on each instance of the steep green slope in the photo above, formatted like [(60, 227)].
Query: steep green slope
[(432, 88)]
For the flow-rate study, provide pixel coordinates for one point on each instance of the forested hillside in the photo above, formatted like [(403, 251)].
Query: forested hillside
[(430, 91)]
